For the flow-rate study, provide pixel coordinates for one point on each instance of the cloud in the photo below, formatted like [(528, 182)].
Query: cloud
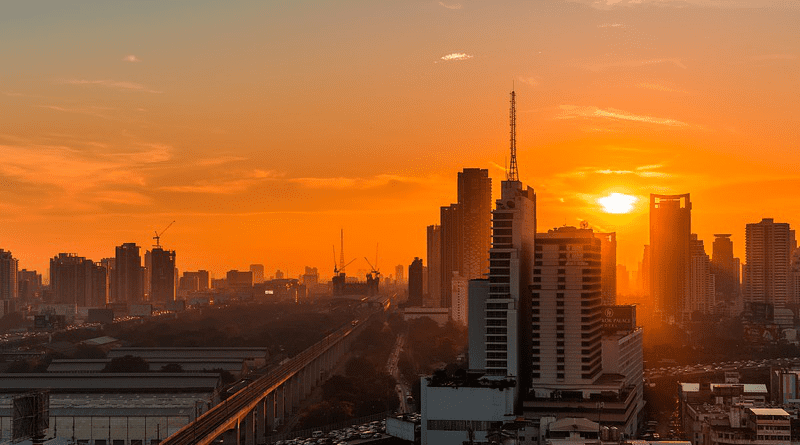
[(659, 87), (131, 58), (209, 162), (532, 81), (575, 111), (78, 168), (88, 111), (453, 6), (456, 56), (115, 84), (344, 183), (611, 25), (644, 171), (226, 186), (121, 197)]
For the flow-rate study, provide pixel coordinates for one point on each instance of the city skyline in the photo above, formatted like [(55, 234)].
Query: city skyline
[(241, 127)]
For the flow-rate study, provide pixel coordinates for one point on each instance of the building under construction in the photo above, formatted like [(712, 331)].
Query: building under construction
[(343, 287)]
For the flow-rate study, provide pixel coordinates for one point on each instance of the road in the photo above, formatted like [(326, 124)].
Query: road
[(391, 369)]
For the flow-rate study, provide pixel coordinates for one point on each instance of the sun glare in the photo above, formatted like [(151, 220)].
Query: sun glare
[(617, 203)]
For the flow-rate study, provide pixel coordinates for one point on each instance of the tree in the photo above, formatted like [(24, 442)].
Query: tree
[(127, 363), (172, 367)]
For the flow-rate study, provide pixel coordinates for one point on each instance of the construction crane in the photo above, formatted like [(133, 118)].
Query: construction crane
[(158, 235), (375, 271), (336, 269)]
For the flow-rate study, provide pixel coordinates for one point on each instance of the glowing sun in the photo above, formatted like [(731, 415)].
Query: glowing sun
[(617, 203)]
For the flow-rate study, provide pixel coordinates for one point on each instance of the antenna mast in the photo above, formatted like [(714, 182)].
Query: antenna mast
[(513, 174)]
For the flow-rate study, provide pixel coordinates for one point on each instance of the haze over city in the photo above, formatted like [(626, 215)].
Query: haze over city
[(263, 128)]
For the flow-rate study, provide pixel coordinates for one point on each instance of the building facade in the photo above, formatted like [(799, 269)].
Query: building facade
[(510, 268), (434, 236), (768, 250), (670, 254), (566, 300), (162, 275), (9, 266), (127, 277)]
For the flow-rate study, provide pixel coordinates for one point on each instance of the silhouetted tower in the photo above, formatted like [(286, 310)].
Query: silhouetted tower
[(670, 254), (513, 173)]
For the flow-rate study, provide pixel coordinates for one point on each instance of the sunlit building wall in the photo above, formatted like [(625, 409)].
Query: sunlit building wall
[(566, 300)]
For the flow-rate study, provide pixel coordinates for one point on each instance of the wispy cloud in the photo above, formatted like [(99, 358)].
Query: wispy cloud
[(451, 6), (131, 58), (611, 25), (575, 111), (530, 80), (644, 171), (100, 112), (219, 160), (115, 84), (455, 57), (343, 183), (226, 186), (78, 170), (659, 87)]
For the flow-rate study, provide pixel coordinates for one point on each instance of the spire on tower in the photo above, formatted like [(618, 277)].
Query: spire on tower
[(513, 174)]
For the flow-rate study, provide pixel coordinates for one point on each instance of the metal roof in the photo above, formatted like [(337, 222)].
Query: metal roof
[(769, 412), (100, 381), (200, 353)]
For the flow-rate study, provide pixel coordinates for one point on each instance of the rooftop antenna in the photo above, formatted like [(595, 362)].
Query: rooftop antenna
[(513, 174)]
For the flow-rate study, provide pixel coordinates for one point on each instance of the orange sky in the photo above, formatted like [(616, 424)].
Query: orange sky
[(262, 128)]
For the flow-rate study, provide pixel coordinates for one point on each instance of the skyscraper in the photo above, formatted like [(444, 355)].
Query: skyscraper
[(415, 283), (608, 247), (79, 281), (475, 203), (450, 218), (566, 300), (162, 275), (508, 341), (128, 274), (725, 268), (258, 273), (29, 284), (768, 249), (434, 297), (670, 254), (702, 294), (9, 266)]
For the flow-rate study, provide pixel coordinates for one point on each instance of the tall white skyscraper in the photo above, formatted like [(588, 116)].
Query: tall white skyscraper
[(510, 266), (566, 302)]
